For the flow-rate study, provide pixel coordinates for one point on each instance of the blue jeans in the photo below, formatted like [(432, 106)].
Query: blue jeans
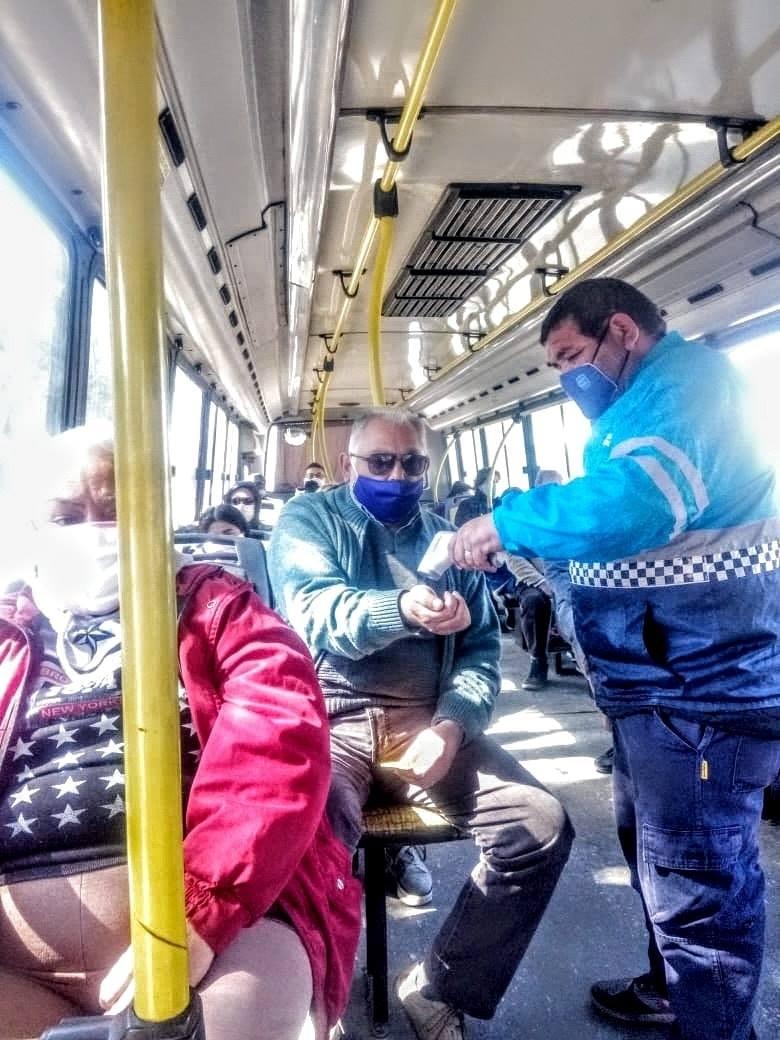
[(688, 803), (522, 832)]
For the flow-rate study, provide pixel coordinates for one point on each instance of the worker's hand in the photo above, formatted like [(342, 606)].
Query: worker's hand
[(118, 987), (421, 607), (429, 757), (475, 544)]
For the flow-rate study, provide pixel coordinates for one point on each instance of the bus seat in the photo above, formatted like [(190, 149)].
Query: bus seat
[(390, 824), (244, 557)]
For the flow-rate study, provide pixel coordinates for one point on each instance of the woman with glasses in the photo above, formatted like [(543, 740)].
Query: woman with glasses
[(245, 497)]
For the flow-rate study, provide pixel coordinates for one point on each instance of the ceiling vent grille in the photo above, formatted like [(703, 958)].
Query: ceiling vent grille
[(473, 230)]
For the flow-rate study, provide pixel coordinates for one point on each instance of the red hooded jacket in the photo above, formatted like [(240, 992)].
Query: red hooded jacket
[(256, 839)]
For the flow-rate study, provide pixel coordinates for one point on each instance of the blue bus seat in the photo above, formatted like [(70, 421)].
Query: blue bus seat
[(244, 557)]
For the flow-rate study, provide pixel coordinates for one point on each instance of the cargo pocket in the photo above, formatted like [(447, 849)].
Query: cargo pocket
[(687, 869)]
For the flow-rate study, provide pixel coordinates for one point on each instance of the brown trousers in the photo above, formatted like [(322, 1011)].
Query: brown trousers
[(59, 936)]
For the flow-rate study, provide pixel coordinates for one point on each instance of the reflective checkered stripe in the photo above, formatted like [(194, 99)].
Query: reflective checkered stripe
[(682, 570)]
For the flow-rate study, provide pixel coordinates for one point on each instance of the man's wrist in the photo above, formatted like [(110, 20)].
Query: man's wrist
[(450, 730), (407, 621)]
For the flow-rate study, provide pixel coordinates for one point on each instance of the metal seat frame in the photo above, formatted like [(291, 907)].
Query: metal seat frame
[(385, 825)]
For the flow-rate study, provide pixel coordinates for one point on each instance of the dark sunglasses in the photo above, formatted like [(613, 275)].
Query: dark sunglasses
[(380, 463), (241, 501)]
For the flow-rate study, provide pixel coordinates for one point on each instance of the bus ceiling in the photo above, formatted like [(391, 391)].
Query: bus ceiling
[(275, 119)]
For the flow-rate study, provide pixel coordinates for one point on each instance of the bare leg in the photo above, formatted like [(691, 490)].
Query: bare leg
[(260, 987)]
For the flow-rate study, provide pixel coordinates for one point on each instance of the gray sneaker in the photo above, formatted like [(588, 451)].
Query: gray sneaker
[(432, 1019), (406, 868)]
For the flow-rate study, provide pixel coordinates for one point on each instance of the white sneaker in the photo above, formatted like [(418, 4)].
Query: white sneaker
[(432, 1019)]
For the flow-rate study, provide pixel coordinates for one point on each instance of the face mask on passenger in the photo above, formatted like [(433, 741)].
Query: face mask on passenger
[(390, 501), (591, 389), (76, 569)]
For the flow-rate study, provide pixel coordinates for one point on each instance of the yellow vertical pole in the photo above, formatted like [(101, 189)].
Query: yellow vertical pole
[(376, 381), (131, 209)]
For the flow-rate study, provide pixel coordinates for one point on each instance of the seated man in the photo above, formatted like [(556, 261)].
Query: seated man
[(410, 672), (314, 478), (534, 614), (272, 912), (477, 504)]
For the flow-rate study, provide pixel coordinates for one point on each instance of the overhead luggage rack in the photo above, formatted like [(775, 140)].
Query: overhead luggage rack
[(472, 231)]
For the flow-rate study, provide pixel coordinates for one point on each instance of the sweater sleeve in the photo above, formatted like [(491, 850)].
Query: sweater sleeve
[(262, 780), (468, 694), (318, 597)]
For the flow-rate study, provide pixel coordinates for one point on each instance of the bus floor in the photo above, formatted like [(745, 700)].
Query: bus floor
[(593, 927)]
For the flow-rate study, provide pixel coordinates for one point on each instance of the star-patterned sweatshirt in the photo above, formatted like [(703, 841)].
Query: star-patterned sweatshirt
[(259, 719)]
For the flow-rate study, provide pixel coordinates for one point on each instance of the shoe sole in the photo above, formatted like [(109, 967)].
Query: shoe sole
[(411, 898), (652, 1018)]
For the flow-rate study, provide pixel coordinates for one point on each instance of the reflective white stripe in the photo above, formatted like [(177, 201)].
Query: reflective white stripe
[(676, 455), (668, 489)]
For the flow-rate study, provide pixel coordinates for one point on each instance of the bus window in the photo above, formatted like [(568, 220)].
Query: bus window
[(576, 432), (209, 462), (184, 446), (758, 361), (100, 398), (547, 429), (514, 457), (468, 455), (218, 466), (231, 457), (34, 275), (494, 433)]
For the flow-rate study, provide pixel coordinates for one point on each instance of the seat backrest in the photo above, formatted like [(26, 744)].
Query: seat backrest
[(244, 557)]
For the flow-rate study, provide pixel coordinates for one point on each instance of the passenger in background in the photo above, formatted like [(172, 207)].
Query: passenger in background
[(448, 507), (410, 673), (559, 580), (245, 496), (224, 520), (476, 504), (534, 614), (273, 914), (676, 536), (314, 478)]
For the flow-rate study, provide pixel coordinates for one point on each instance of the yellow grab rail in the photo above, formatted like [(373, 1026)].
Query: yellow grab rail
[(131, 208), (386, 228), (432, 46)]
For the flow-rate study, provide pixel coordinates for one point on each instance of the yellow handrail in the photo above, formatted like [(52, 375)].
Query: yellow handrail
[(411, 111), (386, 228), (131, 207), (757, 141)]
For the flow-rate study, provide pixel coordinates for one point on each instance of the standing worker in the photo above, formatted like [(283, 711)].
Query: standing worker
[(679, 622)]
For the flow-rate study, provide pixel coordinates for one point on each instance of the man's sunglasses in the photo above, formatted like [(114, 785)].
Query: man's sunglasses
[(380, 463), (242, 501)]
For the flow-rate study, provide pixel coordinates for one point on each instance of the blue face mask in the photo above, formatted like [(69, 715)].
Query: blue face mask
[(590, 389), (389, 501)]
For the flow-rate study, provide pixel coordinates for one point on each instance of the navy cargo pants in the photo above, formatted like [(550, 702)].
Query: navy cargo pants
[(688, 803)]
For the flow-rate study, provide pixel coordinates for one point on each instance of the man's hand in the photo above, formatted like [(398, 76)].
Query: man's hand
[(475, 543), (429, 757), (118, 987), (421, 607)]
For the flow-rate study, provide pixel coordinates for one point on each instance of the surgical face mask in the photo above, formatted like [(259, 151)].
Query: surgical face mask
[(591, 389), (76, 570), (389, 501)]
